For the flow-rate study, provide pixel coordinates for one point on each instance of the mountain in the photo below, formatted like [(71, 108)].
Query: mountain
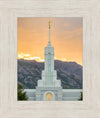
[(29, 72)]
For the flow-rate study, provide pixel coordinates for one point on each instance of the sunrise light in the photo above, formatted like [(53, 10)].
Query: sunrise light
[(29, 57), (66, 37), (38, 59)]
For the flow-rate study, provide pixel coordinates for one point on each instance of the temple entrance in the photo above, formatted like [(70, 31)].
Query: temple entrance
[(49, 97)]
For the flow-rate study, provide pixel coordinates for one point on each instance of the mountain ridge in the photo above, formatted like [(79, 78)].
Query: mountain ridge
[(29, 72)]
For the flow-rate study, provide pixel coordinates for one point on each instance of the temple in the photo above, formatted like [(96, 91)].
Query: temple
[(49, 88)]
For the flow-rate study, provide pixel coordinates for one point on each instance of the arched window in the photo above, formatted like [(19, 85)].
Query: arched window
[(49, 97)]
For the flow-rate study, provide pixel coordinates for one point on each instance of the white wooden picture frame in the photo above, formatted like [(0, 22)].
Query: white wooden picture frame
[(10, 10)]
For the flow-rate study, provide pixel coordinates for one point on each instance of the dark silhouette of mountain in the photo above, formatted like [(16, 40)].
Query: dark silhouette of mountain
[(29, 72)]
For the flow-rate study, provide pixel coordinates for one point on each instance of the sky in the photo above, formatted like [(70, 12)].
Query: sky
[(65, 36)]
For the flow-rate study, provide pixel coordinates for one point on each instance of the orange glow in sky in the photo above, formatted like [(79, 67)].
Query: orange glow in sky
[(66, 38)]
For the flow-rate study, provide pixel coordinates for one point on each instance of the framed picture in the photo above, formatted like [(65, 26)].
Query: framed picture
[(48, 105), (50, 58)]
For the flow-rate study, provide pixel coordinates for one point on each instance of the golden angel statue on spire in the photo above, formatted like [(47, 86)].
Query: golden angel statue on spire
[(49, 23)]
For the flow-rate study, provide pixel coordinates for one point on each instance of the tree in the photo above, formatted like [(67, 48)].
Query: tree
[(81, 97), (21, 95)]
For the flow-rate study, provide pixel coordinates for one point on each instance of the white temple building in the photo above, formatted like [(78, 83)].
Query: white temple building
[(49, 88)]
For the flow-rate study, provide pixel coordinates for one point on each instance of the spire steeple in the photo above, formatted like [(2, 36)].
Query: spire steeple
[(49, 23), (49, 43)]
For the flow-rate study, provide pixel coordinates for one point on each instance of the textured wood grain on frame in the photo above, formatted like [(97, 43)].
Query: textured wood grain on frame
[(9, 12)]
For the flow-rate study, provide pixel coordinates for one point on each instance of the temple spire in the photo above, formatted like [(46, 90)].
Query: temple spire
[(49, 43), (49, 24)]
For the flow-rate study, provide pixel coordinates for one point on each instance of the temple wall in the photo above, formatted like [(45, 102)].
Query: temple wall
[(67, 94)]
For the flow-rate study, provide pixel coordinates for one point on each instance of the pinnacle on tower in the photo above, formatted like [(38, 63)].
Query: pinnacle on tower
[(49, 43), (49, 24)]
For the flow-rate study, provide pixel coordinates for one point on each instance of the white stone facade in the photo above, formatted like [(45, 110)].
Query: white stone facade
[(67, 94), (49, 83), (49, 75)]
